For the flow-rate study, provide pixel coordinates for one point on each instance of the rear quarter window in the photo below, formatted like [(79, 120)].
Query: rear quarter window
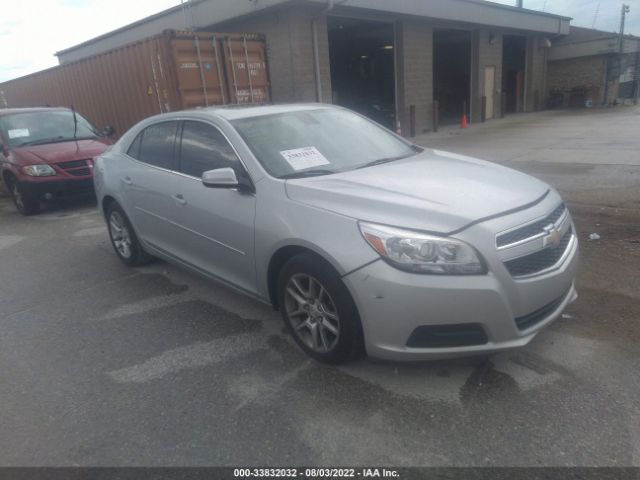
[(157, 145)]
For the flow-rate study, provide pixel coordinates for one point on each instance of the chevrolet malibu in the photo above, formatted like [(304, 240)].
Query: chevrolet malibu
[(364, 241)]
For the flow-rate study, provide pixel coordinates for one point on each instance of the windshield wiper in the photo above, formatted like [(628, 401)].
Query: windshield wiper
[(44, 141), (307, 173), (380, 161)]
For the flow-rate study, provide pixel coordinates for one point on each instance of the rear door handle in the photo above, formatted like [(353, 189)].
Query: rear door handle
[(179, 199), (127, 180)]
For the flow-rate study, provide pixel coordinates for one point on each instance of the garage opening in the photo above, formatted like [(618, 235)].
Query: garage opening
[(452, 73), (514, 58), (363, 67)]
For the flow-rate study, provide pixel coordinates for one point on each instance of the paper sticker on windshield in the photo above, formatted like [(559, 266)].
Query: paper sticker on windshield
[(18, 132), (303, 158)]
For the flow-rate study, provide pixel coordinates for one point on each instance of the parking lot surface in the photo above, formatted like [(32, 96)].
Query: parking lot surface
[(105, 365)]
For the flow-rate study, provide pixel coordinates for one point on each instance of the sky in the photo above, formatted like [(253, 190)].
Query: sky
[(31, 31), (583, 12)]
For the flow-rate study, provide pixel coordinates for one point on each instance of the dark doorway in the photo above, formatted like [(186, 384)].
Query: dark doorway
[(363, 67), (452, 73), (513, 71)]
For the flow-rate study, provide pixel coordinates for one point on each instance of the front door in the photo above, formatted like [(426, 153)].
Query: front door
[(215, 224), (148, 179), (489, 90)]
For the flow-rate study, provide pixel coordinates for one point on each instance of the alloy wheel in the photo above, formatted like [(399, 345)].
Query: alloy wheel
[(120, 234), (312, 313)]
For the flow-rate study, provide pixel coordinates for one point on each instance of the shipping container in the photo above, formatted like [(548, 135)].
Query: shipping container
[(175, 70)]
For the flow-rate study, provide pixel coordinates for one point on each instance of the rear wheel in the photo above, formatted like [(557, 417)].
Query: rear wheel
[(25, 202), (124, 239), (319, 311)]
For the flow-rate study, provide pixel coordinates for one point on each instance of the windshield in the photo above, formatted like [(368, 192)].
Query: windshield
[(318, 142), (33, 128)]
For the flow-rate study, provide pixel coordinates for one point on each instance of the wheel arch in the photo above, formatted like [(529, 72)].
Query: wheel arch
[(282, 256), (106, 202)]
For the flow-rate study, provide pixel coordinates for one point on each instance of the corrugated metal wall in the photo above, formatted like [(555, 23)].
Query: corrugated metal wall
[(172, 71)]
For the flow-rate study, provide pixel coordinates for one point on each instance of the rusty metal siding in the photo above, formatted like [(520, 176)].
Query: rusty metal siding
[(172, 71), (246, 65)]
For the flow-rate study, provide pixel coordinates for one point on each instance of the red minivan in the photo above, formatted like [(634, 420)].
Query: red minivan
[(47, 152)]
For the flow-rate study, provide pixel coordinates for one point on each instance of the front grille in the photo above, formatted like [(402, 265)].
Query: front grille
[(77, 168), (442, 336), (72, 164), (80, 172), (536, 317), (530, 230), (540, 260)]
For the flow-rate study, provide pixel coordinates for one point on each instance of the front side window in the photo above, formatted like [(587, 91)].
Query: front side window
[(157, 145), (47, 126), (319, 141), (204, 148)]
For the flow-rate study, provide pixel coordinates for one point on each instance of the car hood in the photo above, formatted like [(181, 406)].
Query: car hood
[(60, 152), (433, 191)]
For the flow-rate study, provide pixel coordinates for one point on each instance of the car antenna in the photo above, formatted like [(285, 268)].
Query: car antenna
[(75, 126)]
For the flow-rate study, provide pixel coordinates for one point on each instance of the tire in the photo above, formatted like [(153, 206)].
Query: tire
[(26, 203), (124, 239), (312, 297)]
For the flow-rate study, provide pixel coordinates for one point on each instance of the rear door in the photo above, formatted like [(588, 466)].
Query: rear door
[(149, 180), (216, 224)]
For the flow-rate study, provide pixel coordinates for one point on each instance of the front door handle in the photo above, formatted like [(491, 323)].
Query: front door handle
[(179, 199), (127, 181)]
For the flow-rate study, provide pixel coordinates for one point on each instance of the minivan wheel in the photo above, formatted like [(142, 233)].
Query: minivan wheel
[(27, 204), (124, 239), (319, 311)]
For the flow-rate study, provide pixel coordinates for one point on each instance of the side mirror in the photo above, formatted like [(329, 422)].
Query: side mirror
[(108, 131), (220, 178)]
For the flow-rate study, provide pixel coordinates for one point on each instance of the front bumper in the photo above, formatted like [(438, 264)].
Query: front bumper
[(58, 187), (393, 304)]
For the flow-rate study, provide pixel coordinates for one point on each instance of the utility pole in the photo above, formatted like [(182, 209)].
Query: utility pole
[(625, 9)]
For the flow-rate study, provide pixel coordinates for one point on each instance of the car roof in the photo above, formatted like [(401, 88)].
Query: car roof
[(236, 112), (10, 111)]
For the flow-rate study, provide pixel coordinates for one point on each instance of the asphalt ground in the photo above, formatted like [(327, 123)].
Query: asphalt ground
[(103, 365)]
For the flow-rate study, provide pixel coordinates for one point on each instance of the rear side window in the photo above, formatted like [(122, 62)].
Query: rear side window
[(157, 144), (134, 149), (203, 148)]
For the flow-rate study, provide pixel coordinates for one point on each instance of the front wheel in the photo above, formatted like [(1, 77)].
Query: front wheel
[(25, 202), (124, 239), (319, 311)]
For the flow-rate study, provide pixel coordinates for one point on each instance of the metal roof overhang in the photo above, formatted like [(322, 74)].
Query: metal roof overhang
[(207, 13), (466, 11)]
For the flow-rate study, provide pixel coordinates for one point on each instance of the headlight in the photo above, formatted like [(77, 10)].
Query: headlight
[(421, 253), (38, 170)]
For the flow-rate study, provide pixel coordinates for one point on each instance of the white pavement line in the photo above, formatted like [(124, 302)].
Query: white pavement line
[(7, 241), (189, 357), (147, 305), (92, 231)]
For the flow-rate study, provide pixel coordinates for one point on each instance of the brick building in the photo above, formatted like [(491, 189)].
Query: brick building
[(590, 67), (391, 60)]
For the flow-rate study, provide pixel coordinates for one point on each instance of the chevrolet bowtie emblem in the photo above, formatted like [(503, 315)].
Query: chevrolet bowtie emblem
[(553, 237)]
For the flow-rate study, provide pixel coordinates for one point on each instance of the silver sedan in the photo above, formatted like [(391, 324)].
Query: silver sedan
[(364, 241)]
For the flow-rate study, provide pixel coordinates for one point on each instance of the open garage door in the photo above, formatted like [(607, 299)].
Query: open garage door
[(452, 73), (363, 67), (513, 71)]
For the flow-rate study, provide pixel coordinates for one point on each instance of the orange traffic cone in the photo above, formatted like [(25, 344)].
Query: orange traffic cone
[(465, 121)]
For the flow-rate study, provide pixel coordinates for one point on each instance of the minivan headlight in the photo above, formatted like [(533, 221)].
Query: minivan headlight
[(38, 170), (421, 253)]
